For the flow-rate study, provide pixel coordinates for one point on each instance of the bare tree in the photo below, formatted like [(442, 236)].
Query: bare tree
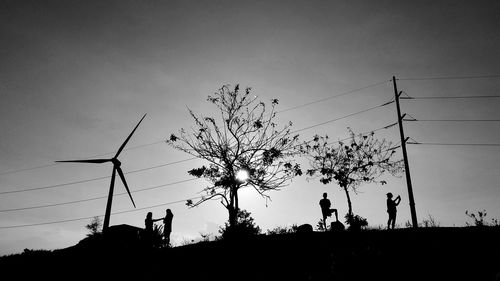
[(243, 139), (362, 159)]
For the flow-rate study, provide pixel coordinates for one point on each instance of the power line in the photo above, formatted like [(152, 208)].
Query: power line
[(335, 96), (161, 141), (451, 77), (149, 188), (86, 218), (455, 144), (452, 120), (342, 117), (94, 198), (451, 97), (185, 160), (303, 105), (94, 179), (154, 187), (26, 169), (96, 155)]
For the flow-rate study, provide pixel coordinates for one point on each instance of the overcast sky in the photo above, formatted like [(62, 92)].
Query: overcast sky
[(76, 76)]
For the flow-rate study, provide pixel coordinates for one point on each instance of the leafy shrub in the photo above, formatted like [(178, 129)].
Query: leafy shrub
[(320, 226), (282, 230), (355, 222), (245, 226), (94, 227)]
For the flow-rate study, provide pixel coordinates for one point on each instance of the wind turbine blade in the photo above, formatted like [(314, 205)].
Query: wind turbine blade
[(128, 138), (98, 161), (120, 172)]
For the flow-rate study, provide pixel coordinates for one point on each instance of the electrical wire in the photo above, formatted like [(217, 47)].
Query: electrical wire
[(86, 218), (453, 120), (154, 187), (149, 188), (185, 160), (335, 96), (307, 104), (455, 144), (92, 156), (340, 118), (93, 179), (161, 141), (450, 77), (451, 97), (94, 198)]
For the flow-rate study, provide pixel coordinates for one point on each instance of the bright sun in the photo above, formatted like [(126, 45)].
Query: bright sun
[(242, 175)]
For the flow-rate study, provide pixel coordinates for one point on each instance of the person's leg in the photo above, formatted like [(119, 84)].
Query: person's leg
[(392, 221), (336, 214), (167, 240)]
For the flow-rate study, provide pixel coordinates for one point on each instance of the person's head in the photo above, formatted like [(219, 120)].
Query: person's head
[(389, 195), (169, 211), (324, 195), (149, 215)]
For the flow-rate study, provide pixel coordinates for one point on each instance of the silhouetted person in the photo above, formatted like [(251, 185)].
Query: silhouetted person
[(149, 221), (325, 205), (391, 209), (167, 227)]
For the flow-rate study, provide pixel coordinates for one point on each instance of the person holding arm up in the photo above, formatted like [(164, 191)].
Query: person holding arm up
[(391, 209)]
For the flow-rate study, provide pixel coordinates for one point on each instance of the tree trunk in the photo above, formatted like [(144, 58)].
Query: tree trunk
[(232, 216), (233, 208), (348, 201)]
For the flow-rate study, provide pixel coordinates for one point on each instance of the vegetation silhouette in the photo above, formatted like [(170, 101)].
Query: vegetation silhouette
[(392, 210), (94, 227), (442, 253), (479, 219), (247, 138), (245, 227)]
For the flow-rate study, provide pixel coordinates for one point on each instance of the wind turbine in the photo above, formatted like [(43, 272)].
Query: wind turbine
[(116, 168)]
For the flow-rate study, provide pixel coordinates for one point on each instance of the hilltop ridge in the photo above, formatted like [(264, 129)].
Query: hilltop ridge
[(467, 253)]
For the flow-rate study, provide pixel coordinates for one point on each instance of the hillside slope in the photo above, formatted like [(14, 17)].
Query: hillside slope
[(405, 254)]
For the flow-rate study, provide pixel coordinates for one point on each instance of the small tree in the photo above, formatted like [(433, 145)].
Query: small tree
[(94, 227), (362, 159), (243, 137)]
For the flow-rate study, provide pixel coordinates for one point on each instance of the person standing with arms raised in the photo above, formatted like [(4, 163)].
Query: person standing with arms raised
[(391, 209)]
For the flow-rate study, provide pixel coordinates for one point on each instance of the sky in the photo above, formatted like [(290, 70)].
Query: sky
[(76, 77)]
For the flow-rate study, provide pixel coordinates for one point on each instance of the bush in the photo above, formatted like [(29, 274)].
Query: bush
[(320, 226), (245, 226), (282, 230), (355, 222), (94, 227)]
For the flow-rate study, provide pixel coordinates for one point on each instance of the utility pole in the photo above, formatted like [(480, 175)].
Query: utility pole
[(405, 156)]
